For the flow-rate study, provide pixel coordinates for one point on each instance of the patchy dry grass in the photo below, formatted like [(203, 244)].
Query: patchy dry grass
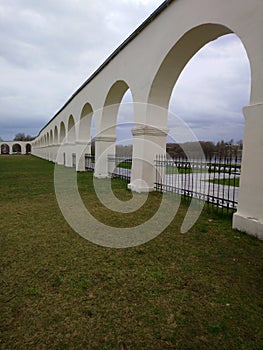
[(201, 290)]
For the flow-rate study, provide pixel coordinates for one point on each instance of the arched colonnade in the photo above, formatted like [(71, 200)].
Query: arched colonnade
[(149, 63)]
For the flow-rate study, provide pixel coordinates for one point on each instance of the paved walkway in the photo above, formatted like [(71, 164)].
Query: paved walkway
[(199, 185)]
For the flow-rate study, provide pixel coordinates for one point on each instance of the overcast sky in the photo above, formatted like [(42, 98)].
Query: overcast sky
[(48, 48)]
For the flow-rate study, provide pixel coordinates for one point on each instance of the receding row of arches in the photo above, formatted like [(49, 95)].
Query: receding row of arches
[(81, 126), (81, 121), (82, 129), (65, 132), (15, 148)]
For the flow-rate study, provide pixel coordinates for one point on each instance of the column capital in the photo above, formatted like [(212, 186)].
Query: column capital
[(83, 142), (104, 138), (149, 130), (68, 143), (253, 110)]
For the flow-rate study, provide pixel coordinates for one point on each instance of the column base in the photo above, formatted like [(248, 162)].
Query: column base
[(102, 176), (252, 226), (140, 186)]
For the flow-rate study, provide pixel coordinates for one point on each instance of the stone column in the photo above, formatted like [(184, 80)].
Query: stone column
[(51, 155), (104, 146), (249, 215), (23, 148), (69, 149), (60, 154), (55, 152), (148, 142), (48, 149)]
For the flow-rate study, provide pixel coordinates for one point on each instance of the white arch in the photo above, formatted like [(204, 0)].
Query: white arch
[(51, 137), (5, 148), (71, 129), (62, 132), (111, 107), (86, 115), (56, 135)]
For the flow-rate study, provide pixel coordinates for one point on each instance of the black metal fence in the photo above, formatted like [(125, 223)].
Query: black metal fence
[(215, 181), (89, 162), (120, 167), (74, 160)]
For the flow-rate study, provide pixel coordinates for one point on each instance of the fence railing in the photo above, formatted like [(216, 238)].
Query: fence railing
[(74, 160), (89, 162), (120, 167), (215, 181)]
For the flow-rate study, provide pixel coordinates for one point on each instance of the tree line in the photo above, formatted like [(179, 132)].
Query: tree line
[(210, 149), (21, 137), (175, 150)]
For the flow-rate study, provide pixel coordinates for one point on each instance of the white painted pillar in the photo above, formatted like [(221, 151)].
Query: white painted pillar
[(51, 154), (48, 150), (23, 148), (68, 149), (148, 142), (249, 215), (60, 155), (104, 146), (54, 153)]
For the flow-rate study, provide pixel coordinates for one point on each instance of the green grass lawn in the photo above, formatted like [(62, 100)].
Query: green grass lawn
[(124, 165), (200, 290)]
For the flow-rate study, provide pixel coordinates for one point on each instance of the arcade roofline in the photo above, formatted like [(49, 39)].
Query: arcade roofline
[(134, 34)]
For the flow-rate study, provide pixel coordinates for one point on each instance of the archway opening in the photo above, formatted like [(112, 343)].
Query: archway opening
[(28, 148), (115, 127), (202, 86), (62, 133), (125, 123), (71, 130), (56, 135), (209, 96), (106, 135), (205, 81), (86, 128), (51, 137), (16, 148), (117, 118), (5, 149)]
